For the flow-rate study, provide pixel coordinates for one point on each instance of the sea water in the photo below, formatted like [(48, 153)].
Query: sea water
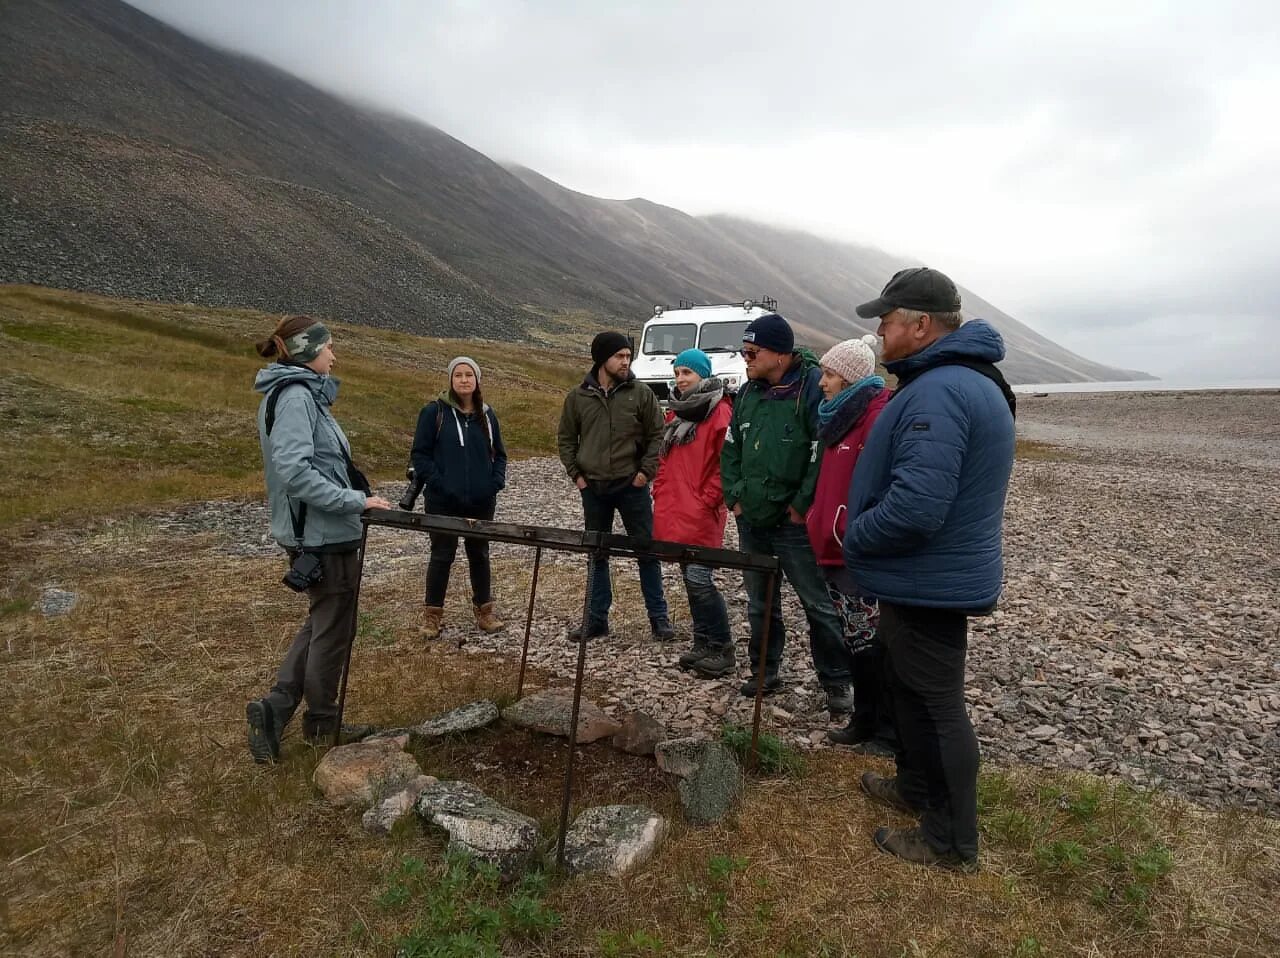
[(1146, 385)]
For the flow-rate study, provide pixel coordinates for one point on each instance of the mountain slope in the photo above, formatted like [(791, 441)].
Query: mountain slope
[(138, 161)]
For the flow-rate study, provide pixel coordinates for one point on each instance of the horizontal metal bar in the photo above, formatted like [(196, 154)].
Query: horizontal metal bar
[(571, 540)]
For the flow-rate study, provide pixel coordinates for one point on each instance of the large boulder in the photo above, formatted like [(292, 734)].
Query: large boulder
[(365, 772), (640, 734), (551, 711), (478, 825), (382, 817), (710, 779), (613, 839), (465, 718)]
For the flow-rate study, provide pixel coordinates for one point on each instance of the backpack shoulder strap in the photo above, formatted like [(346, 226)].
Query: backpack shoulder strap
[(273, 397)]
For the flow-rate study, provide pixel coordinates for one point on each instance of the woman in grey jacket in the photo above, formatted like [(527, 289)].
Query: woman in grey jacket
[(315, 515)]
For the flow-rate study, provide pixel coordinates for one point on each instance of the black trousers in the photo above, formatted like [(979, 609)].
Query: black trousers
[(444, 549), (938, 756)]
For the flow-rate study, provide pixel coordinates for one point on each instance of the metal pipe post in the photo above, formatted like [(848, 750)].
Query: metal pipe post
[(567, 793), (528, 619), (355, 626), (771, 585)]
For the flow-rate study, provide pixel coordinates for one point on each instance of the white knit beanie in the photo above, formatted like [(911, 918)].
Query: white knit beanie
[(853, 359), (455, 363)]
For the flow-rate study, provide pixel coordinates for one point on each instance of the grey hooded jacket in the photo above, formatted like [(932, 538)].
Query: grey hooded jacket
[(304, 462)]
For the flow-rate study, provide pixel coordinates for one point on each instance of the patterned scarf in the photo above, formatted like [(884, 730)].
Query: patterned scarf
[(836, 416), (690, 410)]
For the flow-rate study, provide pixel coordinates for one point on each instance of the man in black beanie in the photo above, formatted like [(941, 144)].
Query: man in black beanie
[(769, 468), (609, 432)]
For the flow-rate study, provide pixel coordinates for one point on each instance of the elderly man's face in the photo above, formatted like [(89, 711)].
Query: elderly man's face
[(761, 362), (902, 335)]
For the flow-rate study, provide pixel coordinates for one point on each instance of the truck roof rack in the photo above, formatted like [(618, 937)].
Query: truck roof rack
[(764, 302)]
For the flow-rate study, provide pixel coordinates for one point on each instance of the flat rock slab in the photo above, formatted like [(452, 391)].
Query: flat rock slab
[(365, 772), (382, 817), (613, 839), (640, 734), (478, 825), (710, 777), (465, 718), (551, 712), (56, 601)]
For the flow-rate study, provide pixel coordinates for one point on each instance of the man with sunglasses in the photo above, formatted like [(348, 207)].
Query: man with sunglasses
[(769, 469), (926, 507)]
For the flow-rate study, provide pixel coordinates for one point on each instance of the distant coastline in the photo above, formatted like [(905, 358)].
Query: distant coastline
[(1149, 386)]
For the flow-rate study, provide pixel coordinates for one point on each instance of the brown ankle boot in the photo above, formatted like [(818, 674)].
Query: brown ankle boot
[(487, 619), (431, 616)]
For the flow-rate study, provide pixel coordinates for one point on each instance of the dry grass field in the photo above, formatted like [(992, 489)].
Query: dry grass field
[(132, 821)]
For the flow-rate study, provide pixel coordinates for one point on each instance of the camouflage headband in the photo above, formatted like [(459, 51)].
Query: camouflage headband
[(305, 346)]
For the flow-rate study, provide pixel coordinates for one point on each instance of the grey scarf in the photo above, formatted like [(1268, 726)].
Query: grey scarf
[(689, 411)]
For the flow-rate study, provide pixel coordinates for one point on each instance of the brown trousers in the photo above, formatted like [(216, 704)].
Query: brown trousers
[(312, 667)]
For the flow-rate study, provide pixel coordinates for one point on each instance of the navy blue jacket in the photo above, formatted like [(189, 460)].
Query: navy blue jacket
[(926, 504), (454, 461)]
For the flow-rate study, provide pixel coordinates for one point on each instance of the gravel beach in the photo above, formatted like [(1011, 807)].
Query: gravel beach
[(1138, 634)]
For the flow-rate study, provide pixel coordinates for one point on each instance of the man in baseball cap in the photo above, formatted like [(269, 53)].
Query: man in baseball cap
[(925, 512)]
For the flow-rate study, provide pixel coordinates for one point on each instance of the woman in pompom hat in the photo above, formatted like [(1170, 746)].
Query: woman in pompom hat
[(853, 396), (688, 502), (459, 458)]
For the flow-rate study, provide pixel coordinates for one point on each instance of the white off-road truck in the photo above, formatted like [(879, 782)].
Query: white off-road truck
[(716, 330)]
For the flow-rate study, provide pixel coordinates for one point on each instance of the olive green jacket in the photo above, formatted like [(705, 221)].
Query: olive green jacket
[(607, 436)]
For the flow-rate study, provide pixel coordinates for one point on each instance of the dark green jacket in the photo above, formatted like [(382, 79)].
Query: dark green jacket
[(610, 436), (771, 453)]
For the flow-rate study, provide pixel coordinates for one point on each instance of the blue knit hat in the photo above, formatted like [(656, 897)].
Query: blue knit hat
[(696, 360), (770, 331)]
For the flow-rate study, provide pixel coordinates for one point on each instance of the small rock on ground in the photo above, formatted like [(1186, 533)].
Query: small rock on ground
[(613, 839), (552, 711), (364, 772), (478, 825), (710, 777)]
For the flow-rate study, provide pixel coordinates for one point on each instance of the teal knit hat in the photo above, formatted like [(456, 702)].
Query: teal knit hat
[(696, 360)]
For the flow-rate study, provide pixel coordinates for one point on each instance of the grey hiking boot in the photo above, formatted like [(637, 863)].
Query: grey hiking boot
[(689, 657), (839, 699), (264, 737), (885, 791), (772, 683), (910, 845), (592, 629), (716, 664)]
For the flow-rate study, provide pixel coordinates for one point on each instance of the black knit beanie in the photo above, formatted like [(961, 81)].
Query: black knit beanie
[(770, 331), (606, 344)]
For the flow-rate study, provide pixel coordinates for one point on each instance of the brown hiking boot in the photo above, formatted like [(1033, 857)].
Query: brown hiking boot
[(885, 791), (431, 618), (910, 845), (487, 619)]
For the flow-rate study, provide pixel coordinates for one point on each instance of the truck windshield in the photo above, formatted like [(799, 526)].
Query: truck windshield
[(668, 340), (722, 337)]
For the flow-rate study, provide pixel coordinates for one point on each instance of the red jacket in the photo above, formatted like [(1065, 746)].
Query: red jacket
[(688, 501), (826, 517)]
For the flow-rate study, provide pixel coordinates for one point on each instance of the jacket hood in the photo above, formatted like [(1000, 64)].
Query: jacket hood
[(975, 340), (278, 374)]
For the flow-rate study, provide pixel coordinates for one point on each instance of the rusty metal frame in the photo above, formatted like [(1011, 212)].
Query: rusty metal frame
[(597, 546)]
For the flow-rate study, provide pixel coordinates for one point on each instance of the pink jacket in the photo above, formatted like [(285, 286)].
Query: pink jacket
[(688, 501), (826, 517)]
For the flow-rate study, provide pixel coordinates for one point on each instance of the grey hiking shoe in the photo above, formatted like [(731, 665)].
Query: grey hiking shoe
[(839, 699), (716, 664), (688, 658), (910, 845), (662, 629), (592, 629), (772, 683), (264, 737), (885, 791)]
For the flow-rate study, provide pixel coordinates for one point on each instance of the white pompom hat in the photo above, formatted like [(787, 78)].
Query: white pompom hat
[(853, 359)]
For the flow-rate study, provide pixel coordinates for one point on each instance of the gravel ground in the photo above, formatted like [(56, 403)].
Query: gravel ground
[(1138, 634)]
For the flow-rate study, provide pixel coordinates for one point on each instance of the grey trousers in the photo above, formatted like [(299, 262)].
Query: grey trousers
[(312, 667)]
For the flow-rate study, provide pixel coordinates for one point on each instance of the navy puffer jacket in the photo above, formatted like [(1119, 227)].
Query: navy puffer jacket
[(926, 505)]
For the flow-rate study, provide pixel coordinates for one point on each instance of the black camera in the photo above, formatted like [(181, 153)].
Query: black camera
[(305, 571), (411, 494)]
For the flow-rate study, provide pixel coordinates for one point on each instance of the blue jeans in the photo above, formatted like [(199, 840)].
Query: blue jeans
[(789, 541), (635, 505), (706, 608)]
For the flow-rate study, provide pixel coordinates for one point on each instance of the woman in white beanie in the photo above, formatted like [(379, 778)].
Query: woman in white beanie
[(459, 458), (853, 397)]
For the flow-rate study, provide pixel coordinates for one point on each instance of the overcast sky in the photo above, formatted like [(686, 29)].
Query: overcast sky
[(1108, 173)]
